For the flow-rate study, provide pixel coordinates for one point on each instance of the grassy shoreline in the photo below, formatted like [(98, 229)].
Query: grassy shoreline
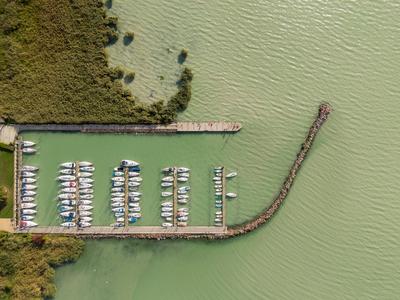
[(6, 183), (54, 69)]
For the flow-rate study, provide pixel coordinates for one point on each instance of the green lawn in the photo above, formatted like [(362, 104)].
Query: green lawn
[(7, 181)]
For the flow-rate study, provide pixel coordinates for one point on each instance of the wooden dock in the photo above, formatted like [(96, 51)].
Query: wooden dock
[(178, 127), (175, 196), (129, 230)]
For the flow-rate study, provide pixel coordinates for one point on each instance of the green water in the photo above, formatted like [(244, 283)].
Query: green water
[(267, 64)]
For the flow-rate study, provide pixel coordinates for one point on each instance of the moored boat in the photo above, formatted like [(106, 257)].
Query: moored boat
[(166, 214), (68, 184), (135, 179), (232, 174), (29, 187), (85, 164), (87, 169), (118, 183), (68, 202), (181, 224), (86, 191), (183, 170), (166, 208), (133, 204), (86, 196), (183, 179), (134, 194), (28, 212), (68, 224), (68, 190), (185, 188), (231, 195), (63, 208), (129, 163), (28, 180), (85, 174), (166, 194), (134, 209), (85, 185), (27, 218), (28, 144), (83, 224), (28, 193), (85, 202), (133, 174), (66, 178), (134, 215), (67, 196), (69, 165), (117, 189), (121, 179), (119, 194), (116, 225), (29, 168), (28, 150), (28, 205), (85, 207), (117, 204), (27, 174), (85, 180), (167, 204), (69, 214), (166, 184), (118, 209), (67, 171), (117, 199), (27, 199), (168, 179), (85, 213), (133, 183), (166, 224), (183, 201), (183, 196), (168, 169), (27, 224)]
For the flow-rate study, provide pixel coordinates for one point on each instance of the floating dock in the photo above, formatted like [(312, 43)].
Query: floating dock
[(178, 127)]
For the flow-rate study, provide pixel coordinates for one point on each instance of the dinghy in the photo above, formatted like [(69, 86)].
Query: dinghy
[(28, 180), (27, 174), (66, 178), (27, 224), (129, 163), (68, 224), (29, 168), (28, 212), (68, 165)]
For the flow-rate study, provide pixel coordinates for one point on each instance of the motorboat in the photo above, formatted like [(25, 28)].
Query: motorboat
[(28, 205), (134, 199), (85, 202), (182, 219), (168, 169), (133, 183), (166, 194), (67, 196), (86, 196), (129, 163), (28, 180), (63, 208), (84, 164), (136, 179), (28, 212), (165, 214), (85, 213), (29, 168), (69, 190), (166, 224), (218, 182), (87, 169), (186, 188), (119, 194), (232, 174), (28, 193), (85, 174), (184, 174), (121, 179), (134, 204), (28, 150), (117, 189), (183, 170), (86, 191), (166, 208), (28, 144), (68, 202), (85, 180), (69, 214), (68, 165), (167, 204), (117, 199), (85, 185), (68, 224), (183, 179), (27, 174), (66, 178), (133, 174), (168, 179), (118, 209), (117, 204), (27, 199), (134, 194), (67, 171), (231, 195), (183, 196), (183, 201), (83, 224), (182, 192), (27, 218), (118, 174), (134, 209), (134, 215), (166, 184), (68, 184), (85, 207), (116, 225), (118, 183), (181, 224), (29, 187), (27, 224)]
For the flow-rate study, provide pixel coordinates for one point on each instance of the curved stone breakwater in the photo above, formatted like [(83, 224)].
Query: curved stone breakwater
[(265, 216)]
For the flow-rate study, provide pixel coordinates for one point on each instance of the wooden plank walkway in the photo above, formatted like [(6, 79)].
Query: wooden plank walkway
[(129, 230), (179, 127)]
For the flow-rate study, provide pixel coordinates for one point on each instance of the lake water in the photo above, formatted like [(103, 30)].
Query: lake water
[(269, 65)]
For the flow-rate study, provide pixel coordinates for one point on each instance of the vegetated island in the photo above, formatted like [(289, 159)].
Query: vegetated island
[(54, 68), (27, 263)]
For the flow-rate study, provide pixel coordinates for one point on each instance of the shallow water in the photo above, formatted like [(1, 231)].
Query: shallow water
[(268, 65)]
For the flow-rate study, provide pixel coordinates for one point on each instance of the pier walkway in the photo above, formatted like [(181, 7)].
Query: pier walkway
[(129, 230), (179, 127)]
